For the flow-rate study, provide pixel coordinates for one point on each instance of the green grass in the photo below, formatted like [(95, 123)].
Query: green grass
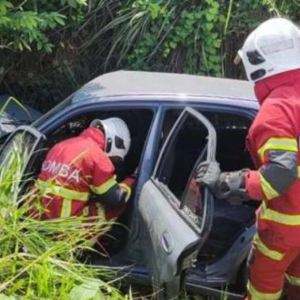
[(39, 259)]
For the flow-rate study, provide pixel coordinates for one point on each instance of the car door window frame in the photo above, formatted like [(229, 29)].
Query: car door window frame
[(205, 107), (39, 140), (171, 198)]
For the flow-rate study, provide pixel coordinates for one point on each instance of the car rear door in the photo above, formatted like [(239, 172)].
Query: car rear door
[(19, 152), (175, 212)]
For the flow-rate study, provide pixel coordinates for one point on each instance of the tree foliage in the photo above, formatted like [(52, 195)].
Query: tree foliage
[(24, 24), (50, 48)]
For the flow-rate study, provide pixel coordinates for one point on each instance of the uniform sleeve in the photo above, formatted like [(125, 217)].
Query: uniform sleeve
[(275, 138), (105, 186)]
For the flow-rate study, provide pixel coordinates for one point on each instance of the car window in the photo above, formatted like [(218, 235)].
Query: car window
[(177, 167), (232, 130), (192, 200)]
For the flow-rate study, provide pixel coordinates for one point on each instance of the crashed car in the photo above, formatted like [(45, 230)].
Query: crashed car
[(173, 231)]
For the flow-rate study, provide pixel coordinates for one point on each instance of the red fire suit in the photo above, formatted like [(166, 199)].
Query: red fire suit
[(273, 143), (75, 169)]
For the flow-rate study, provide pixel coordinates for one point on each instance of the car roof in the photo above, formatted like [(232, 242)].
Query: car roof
[(138, 83)]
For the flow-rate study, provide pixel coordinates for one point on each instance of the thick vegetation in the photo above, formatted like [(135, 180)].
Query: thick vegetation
[(40, 259), (50, 48)]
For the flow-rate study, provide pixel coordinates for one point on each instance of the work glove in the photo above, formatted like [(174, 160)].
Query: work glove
[(208, 174), (226, 185)]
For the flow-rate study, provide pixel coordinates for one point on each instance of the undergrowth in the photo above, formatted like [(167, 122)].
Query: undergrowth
[(40, 259)]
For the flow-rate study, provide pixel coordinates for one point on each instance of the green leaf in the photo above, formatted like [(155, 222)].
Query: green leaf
[(20, 46), (217, 43), (60, 19), (4, 297), (4, 20), (184, 14), (154, 10), (198, 14), (173, 45), (209, 16), (86, 291), (39, 46), (209, 26), (4, 6)]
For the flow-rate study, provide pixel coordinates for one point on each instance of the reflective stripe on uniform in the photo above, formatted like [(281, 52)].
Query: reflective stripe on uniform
[(66, 208), (47, 187), (298, 171), (287, 144), (272, 254), (128, 190), (272, 215), (100, 211), (267, 188), (293, 280), (104, 187), (256, 295)]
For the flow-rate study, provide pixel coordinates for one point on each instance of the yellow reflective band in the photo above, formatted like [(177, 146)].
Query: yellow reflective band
[(293, 280), (268, 190), (256, 295), (47, 187), (66, 208), (104, 187), (298, 171), (272, 215), (287, 144), (128, 190), (100, 211), (272, 254)]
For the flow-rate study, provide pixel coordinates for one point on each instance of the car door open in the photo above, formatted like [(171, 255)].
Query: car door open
[(175, 212), (19, 151)]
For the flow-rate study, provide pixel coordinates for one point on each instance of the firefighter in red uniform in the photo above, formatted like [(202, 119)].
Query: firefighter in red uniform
[(271, 56), (77, 168)]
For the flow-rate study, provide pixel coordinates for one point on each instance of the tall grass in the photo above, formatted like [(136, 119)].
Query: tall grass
[(39, 259)]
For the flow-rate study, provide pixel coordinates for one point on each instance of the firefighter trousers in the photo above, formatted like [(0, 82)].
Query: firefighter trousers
[(268, 270)]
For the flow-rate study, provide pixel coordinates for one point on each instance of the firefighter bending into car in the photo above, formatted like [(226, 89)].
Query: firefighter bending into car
[(271, 57), (80, 167)]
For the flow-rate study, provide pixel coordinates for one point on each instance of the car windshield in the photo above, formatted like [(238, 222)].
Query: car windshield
[(61, 106)]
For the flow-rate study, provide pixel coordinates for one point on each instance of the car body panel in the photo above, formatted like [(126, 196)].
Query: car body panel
[(133, 83)]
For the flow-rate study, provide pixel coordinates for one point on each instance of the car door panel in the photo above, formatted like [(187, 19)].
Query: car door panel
[(170, 237), (161, 235)]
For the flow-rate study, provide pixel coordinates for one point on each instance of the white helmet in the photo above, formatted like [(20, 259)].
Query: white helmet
[(117, 136), (272, 48)]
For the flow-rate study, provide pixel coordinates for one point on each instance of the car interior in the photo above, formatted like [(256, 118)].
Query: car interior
[(138, 121), (228, 220)]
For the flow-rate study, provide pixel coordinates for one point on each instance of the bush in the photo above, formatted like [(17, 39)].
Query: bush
[(50, 48)]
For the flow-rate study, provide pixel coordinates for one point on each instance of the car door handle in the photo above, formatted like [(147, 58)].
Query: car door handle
[(167, 242)]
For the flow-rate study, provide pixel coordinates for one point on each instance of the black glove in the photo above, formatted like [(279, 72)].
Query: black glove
[(228, 185)]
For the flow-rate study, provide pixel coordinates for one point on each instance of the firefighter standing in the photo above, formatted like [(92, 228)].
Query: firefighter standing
[(271, 57), (79, 167)]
